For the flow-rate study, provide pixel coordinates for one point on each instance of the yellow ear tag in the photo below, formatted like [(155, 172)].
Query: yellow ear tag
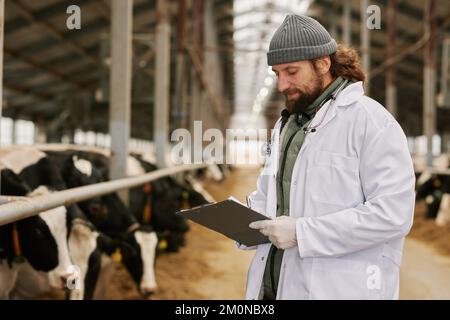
[(117, 256), (147, 214), (162, 245), (18, 258)]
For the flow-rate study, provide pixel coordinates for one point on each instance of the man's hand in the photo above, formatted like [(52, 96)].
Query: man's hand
[(281, 231)]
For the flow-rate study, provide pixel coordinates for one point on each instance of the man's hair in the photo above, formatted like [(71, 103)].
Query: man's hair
[(346, 64)]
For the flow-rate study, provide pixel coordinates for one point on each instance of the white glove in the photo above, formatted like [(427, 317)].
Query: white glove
[(281, 231)]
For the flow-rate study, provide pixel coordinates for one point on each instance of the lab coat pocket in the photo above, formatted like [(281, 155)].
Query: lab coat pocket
[(334, 179), (342, 279)]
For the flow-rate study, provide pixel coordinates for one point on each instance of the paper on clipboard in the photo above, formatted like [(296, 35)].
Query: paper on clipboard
[(230, 218)]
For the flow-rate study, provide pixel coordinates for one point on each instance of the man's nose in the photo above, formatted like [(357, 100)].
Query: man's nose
[(283, 83)]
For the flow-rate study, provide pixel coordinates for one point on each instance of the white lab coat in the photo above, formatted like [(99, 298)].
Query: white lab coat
[(352, 191)]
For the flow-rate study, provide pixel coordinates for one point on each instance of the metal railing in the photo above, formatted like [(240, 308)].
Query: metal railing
[(432, 170), (7, 199), (17, 208)]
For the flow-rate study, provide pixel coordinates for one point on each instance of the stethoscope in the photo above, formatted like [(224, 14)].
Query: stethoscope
[(268, 147), (333, 99)]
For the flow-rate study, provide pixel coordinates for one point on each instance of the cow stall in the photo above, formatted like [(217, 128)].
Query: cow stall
[(63, 196)]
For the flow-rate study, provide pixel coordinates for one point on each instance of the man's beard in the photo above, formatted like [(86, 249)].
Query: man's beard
[(299, 105)]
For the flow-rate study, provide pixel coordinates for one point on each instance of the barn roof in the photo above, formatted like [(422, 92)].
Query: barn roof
[(56, 76)]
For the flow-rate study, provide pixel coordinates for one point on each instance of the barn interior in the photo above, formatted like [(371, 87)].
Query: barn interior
[(127, 76)]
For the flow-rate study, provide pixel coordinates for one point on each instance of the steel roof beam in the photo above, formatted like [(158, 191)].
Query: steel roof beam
[(36, 65), (54, 32)]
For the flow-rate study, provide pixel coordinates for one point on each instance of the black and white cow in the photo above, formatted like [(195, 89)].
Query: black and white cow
[(135, 244), (68, 227), (28, 241), (155, 203), (23, 161), (84, 245), (167, 195), (434, 189)]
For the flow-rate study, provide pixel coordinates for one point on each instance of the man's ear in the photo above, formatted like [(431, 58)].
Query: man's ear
[(323, 64)]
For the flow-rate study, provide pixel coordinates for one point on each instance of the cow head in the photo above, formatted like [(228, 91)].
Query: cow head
[(56, 221), (80, 172), (36, 241), (138, 255), (136, 245), (84, 252)]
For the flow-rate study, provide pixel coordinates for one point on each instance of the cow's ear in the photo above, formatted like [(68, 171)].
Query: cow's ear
[(12, 185), (106, 244), (67, 167)]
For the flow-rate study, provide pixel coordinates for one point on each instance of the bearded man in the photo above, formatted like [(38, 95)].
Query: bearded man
[(338, 184)]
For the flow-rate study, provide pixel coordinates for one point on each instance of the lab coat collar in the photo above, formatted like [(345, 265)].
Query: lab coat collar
[(348, 96)]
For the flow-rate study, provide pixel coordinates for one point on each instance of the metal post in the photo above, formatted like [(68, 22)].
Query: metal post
[(196, 54), (180, 96), (194, 111), (196, 87), (197, 39), (365, 45), (333, 24), (347, 23), (445, 98), (445, 142), (39, 132), (162, 89), (391, 85), (429, 76), (198, 15), (120, 84), (13, 131)]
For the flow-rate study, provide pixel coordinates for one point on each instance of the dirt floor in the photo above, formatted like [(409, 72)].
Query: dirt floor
[(427, 231), (425, 272), (211, 267)]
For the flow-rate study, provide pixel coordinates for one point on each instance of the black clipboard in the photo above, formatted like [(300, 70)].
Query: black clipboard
[(229, 218)]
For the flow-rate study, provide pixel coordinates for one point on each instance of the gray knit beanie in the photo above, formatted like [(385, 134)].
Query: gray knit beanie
[(299, 38)]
